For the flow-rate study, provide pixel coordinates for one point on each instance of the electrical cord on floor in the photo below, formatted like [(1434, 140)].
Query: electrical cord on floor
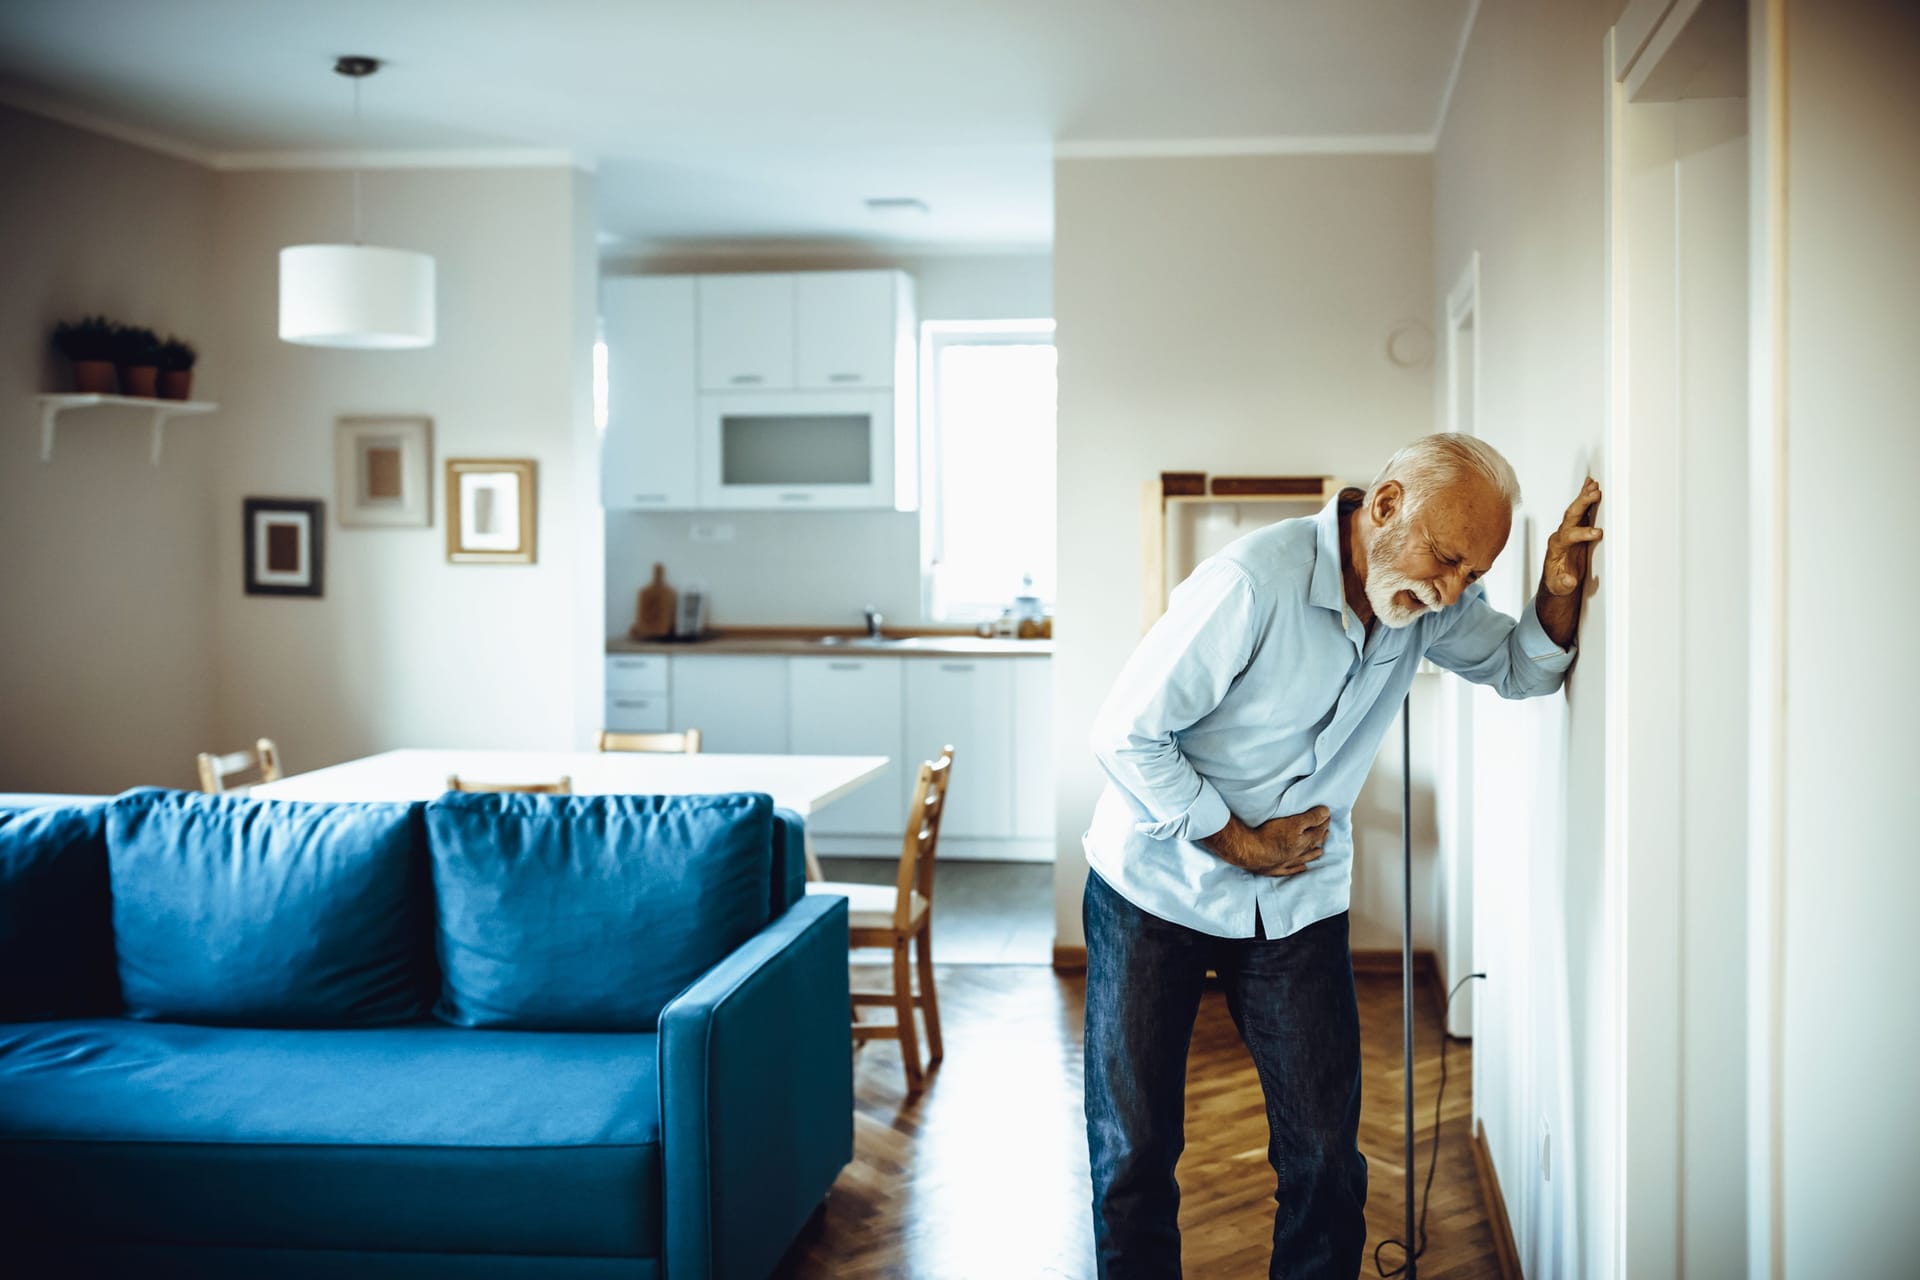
[(1433, 1158)]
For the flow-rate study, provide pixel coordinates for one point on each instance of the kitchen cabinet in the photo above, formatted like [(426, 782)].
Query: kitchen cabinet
[(966, 702), (637, 696), (739, 704), (854, 707), (649, 456), (846, 328), (746, 332), (1032, 716), (821, 449)]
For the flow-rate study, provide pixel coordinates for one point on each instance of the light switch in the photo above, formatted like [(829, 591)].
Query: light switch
[(703, 531)]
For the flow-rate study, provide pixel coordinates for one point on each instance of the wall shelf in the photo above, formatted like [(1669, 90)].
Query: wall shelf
[(1182, 488), (158, 411)]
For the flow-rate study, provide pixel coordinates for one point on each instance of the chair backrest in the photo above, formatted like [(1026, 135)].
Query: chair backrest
[(562, 787), (217, 771), (923, 836), (687, 743)]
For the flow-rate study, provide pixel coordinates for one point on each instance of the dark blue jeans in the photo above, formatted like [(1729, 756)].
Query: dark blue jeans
[(1292, 999)]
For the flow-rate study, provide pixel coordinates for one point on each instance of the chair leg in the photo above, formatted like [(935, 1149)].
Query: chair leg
[(923, 945), (903, 1003)]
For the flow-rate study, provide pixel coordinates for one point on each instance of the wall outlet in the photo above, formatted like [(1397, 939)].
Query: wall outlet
[(1546, 1150), (703, 531)]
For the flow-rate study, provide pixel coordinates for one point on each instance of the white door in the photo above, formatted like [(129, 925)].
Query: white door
[(1032, 747), (845, 328), (649, 457), (969, 705), (852, 707), (746, 333), (739, 704)]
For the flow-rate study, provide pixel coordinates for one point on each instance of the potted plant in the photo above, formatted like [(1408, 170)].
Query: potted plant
[(90, 349), (137, 352), (176, 369)]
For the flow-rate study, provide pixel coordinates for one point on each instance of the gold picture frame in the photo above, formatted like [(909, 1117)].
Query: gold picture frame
[(491, 517)]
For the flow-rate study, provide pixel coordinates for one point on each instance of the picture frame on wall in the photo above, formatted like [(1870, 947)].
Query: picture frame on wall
[(491, 516), (285, 546), (383, 468)]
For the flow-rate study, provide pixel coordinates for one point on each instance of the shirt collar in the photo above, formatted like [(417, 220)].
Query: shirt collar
[(1327, 586)]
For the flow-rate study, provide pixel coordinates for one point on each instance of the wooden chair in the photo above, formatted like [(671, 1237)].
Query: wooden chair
[(687, 743), (880, 916), (564, 787), (216, 771)]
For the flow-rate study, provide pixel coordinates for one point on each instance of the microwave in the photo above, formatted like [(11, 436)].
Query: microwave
[(806, 450)]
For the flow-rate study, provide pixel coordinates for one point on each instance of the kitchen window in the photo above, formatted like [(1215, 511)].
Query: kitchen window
[(988, 509)]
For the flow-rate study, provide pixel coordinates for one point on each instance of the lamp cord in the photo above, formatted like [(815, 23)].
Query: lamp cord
[(1433, 1158), (359, 158)]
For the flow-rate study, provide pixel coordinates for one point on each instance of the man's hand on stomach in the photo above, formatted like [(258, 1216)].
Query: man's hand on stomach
[(1277, 847)]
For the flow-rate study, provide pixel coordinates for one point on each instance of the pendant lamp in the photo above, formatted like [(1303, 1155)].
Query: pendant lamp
[(356, 295)]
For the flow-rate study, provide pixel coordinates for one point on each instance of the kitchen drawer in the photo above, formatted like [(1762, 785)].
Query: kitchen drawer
[(637, 673), (638, 712)]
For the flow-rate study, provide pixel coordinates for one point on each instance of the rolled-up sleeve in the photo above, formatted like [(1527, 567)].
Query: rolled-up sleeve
[(1180, 672), (1517, 658)]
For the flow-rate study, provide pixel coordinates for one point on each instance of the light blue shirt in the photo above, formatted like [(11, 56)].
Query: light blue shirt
[(1258, 694)]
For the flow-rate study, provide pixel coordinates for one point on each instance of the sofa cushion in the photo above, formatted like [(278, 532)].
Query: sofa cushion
[(268, 913), (420, 1137), (591, 912), (56, 914)]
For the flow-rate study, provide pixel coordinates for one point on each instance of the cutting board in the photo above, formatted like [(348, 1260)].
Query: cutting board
[(654, 618)]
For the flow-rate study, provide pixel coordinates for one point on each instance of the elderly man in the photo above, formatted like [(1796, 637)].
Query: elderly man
[(1235, 742)]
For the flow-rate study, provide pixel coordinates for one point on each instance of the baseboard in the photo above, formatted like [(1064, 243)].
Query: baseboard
[(1069, 959), (1426, 971), (1495, 1204)]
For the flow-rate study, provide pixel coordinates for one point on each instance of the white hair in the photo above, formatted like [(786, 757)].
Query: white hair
[(1431, 464)]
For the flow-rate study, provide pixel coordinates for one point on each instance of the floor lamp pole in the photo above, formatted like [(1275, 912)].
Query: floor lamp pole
[(1406, 954)]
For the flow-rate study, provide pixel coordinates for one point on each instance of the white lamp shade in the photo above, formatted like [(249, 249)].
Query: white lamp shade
[(350, 295)]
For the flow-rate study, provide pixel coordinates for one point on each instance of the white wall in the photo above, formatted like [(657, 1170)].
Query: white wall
[(107, 573), (1846, 1027), (1518, 176), (406, 649), (1228, 316), (819, 568)]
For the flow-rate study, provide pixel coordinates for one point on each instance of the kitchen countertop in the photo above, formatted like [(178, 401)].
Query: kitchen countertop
[(946, 646)]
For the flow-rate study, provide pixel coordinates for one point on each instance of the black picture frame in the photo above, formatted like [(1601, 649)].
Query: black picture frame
[(306, 517)]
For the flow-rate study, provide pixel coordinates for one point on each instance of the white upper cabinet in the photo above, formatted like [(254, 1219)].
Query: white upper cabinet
[(852, 707), (784, 392), (649, 456), (846, 329), (746, 333)]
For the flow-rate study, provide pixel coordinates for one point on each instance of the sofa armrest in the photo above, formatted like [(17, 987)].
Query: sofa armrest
[(756, 1096)]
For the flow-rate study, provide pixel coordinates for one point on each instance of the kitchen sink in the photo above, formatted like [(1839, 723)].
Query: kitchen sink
[(952, 643)]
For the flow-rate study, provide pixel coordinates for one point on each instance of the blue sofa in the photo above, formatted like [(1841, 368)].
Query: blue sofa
[(485, 1036)]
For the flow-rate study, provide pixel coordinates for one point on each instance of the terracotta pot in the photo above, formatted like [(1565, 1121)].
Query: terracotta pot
[(139, 379), (176, 384), (95, 377)]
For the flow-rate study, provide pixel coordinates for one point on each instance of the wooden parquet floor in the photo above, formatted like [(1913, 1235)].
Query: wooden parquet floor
[(984, 1176)]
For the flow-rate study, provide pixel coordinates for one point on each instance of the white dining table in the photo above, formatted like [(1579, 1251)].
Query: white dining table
[(804, 784)]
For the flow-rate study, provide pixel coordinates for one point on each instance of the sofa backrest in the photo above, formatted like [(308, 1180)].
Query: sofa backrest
[(223, 919), (590, 913), (56, 919), (246, 912)]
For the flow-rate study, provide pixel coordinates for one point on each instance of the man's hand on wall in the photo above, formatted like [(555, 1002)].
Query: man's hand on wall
[(1565, 573), (1277, 847)]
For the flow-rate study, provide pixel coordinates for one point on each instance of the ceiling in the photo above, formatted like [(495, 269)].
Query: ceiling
[(731, 121)]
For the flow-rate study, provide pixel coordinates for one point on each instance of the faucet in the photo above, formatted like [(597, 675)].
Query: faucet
[(873, 622)]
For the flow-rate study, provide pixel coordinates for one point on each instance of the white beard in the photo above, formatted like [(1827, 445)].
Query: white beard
[(1384, 582)]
